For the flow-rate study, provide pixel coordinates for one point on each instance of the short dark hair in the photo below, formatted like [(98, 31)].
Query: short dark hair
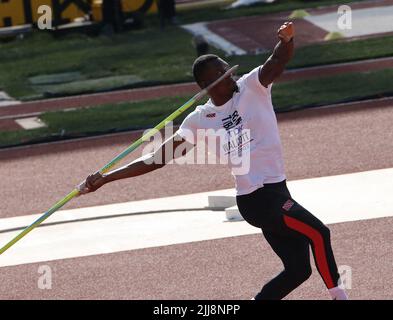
[(200, 63)]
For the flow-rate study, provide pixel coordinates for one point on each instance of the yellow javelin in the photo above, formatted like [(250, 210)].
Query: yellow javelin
[(115, 160)]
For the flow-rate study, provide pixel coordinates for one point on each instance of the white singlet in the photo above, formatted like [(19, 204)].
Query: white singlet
[(248, 125)]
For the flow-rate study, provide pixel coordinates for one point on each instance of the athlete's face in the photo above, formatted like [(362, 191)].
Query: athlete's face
[(213, 71)]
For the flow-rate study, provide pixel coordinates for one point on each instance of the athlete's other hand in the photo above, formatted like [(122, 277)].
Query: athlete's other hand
[(92, 183), (286, 31)]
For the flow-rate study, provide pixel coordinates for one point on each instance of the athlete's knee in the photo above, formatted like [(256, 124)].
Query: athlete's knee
[(302, 275), (299, 273)]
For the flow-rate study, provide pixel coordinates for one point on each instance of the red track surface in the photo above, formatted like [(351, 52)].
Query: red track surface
[(241, 31), (231, 268), (316, 143), (34, 178)]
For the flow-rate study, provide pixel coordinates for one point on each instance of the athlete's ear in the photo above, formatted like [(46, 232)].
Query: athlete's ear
[(202, 84)]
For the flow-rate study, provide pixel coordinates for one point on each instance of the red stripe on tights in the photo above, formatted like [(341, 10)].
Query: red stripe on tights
[(319, 248)]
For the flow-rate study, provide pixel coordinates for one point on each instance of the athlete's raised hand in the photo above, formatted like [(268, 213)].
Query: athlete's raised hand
[(286, 31)]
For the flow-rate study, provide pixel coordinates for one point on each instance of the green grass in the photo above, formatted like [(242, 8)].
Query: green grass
[(152, 56), (327, 90), (326, 53), (101, 119), (148, 54), (165, 58), (124, 116), (218, 12), (114, 117), (91, 85)]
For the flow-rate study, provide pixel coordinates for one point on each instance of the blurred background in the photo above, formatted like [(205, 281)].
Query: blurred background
[(102, 49)]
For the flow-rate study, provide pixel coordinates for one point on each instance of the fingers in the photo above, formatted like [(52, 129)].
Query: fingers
[(82, 188), (92, 179), (286, 31), (287, 23), (90, 184)]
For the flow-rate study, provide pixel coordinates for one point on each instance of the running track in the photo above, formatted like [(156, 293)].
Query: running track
[(317, 142)]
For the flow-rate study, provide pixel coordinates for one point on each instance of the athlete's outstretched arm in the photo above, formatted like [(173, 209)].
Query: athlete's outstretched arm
[(140, 166), (283, 52)]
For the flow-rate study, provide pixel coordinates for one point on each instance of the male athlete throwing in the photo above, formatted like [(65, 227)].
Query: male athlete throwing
[(262, 195)]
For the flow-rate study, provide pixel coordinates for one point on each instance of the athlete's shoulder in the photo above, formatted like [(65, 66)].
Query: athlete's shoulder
[(248, 77), (251, 81), (204, 109), (194, 116)]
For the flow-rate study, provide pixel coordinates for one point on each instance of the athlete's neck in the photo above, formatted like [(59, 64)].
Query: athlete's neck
[(220, 100)]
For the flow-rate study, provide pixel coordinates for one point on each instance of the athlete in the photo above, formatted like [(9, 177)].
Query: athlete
[(243, 110)]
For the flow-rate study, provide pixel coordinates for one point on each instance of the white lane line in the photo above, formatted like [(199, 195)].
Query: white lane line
[(118, 234), (176, 203), (349, 197), (343, 198), (333, 199)]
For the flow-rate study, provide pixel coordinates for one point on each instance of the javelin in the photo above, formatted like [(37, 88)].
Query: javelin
[(115, 160)]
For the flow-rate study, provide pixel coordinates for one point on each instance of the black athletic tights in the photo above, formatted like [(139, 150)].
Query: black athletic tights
[(289, 229)]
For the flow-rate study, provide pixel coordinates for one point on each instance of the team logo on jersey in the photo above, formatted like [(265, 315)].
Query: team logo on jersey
[(237, 138), (288, 205), (210, 115), (232, 121)]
